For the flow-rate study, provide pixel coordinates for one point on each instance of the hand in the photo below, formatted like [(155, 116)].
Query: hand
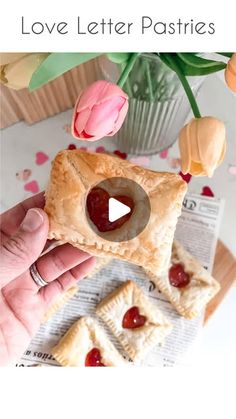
[(24, 231)]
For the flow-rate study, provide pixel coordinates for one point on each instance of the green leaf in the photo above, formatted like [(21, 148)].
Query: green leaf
[(57, 64), (118, 57), (193, 65)]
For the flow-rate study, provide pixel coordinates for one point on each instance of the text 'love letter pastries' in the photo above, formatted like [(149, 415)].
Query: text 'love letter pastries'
[(76, 173)]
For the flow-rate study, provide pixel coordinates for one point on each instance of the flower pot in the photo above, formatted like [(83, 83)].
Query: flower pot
[(158, 105)]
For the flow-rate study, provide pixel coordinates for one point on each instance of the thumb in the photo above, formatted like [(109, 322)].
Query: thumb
[(21, 250)]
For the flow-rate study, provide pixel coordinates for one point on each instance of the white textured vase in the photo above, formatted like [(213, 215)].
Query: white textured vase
[(153, 121)]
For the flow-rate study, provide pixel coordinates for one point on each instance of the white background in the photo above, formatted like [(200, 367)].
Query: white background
[(221, 13)]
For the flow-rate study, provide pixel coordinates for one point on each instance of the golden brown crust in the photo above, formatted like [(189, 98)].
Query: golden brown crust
[(136, 342), (75, 172), (81, 338), (190, 300)]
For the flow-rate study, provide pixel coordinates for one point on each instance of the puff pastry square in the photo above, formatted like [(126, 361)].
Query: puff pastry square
[(188, 300), (74, 173), (83, 337), (136, 341)]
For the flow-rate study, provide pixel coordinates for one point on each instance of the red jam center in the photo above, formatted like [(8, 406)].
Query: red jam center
[(93, 358), (98, 206), (133, 319), (178, 277)]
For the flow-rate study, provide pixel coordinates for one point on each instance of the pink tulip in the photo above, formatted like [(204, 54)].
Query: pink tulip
[(99, 112)]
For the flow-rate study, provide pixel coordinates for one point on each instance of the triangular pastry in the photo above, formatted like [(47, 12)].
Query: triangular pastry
[(186, 284), (85, 344), (74, 173)]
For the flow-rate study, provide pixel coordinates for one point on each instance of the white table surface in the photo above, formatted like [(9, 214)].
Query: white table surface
[(20, 143)]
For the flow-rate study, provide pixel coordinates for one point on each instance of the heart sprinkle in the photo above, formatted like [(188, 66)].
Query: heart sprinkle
[(133, 319), (32, 186), (41, 158)]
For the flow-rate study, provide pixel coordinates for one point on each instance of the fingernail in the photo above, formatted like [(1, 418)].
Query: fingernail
[(32, 221)]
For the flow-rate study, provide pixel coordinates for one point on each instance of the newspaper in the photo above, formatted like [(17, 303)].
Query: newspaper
[(197, 230)]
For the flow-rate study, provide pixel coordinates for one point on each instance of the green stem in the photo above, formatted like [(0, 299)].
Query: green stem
[(127, 87), (149, 80), (124, 75), (185, 85)]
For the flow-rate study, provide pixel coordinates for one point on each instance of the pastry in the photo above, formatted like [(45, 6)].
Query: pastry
[(60, 301), (67, 295), (187, 285), (85, 344), (134, 320), (75, 173)]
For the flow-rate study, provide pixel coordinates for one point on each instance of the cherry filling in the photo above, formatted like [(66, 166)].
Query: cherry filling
[(98, 206), (93, 358), (178, 277), (133, 319)]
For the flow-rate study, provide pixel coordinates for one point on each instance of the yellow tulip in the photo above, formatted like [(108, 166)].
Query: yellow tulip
[(230, 73), (17, 74), (10, 57), (202, 145)]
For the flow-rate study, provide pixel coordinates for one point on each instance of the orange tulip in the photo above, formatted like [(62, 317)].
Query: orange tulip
[(230, 73), (202, 145)]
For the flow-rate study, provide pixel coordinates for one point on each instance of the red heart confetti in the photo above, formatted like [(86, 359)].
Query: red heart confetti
[(71, 147), (120, 154), (32, 186), (206, 191), (133, 319), (41, 158), (186, 177), (100, 149), (163, 154)]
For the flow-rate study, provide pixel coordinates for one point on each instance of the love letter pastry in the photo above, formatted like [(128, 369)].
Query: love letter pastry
[(86, 345), (187, 285), (76, 173), (134, 320)]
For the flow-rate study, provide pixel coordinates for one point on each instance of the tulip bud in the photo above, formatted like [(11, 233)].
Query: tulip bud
[(230, 73), (17, 74), (99, 112), (202, 146)]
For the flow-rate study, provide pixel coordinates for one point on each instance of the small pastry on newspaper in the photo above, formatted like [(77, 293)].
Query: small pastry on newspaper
[(86, 345), (74, 176), (186, 284), (136, 322)]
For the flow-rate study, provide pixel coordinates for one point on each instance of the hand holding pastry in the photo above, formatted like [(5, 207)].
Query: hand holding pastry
[(23, 302)]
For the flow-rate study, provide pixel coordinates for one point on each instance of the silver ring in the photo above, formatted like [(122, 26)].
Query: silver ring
[(37, 277)]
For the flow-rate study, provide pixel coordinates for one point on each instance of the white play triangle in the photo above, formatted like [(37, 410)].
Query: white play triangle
[(116, 209)]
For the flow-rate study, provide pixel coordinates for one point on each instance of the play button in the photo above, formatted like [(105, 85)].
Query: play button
[(116, 209)]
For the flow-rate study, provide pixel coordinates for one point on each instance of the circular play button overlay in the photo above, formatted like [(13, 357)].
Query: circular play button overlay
[(117, 209)]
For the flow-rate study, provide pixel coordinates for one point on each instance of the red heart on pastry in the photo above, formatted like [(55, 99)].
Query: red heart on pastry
[(120, 154), (93, 358), (178, 277), (41, 158), (98, 206), (206, 191), (32, 186), (133, 319)]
